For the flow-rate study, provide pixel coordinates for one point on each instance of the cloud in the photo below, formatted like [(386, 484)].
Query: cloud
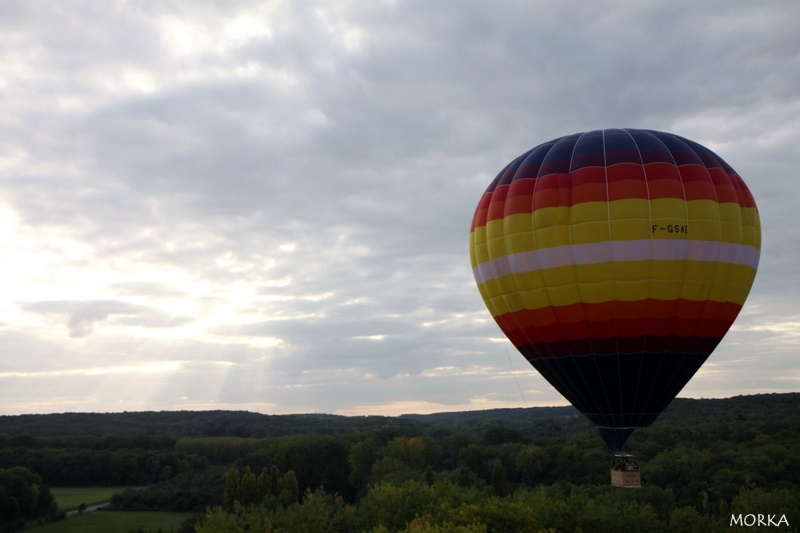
[(276, 197), (83, 315)]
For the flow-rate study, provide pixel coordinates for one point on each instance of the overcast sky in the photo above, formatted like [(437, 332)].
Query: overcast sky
[(266, 205)]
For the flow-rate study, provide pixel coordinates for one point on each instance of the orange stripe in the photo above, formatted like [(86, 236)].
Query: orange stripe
[(747, 199), (497, 205), (520, 197), (697, 183), (479, 218), (619, 319), (617, 182), (724, 185)]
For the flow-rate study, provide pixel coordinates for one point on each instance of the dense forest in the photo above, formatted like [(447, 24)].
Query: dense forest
[(703, 463)]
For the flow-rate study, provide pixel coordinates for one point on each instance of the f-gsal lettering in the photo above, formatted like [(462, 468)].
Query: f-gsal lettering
[(671, 228), (750, 520), (675, 228)]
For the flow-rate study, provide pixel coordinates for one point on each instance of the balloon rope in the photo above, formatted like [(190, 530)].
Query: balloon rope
[(514, 372)]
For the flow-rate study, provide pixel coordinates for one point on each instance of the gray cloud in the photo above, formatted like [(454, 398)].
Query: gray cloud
[(267, 204), (83, 315)]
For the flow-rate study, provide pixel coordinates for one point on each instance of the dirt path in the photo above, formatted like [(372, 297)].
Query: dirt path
[(89, 509)]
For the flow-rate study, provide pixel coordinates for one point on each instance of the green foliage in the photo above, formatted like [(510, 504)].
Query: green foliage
[(130, 427), (219, 450), (289, 489), (499, 480), (233, 490), (503, 470), (689, 520), (319, 512), (361, 458), (445, 507), (248, 488), (23, 497), (632, 518), (69, 498), (503, 434), (192, 491), (529, 463), (104, 467), (394, 506), (776, 502), (451, 481), (120, 522), (317, 461), (415, 453), (270, 489)]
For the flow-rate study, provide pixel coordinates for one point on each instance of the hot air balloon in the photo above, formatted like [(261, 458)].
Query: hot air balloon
[(615, 261)]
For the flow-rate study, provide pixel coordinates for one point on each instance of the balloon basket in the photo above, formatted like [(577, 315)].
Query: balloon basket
[(625, 472)]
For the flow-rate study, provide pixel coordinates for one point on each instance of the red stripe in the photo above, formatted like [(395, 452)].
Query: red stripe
[(618, 345), (591, 323), (724, 185), (520, 197), (498, 203), (481, 212), (618, 182), (746, 197), (697, 183)]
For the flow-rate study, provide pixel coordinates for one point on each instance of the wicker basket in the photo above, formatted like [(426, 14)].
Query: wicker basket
[(627, 479)]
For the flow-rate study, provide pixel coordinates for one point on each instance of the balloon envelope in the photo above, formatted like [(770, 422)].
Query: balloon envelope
[(615, 261)]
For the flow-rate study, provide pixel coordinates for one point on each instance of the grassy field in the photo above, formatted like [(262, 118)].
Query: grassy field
[(115, 522), (69, 498)]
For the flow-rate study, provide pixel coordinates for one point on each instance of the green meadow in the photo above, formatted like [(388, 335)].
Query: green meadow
[(70, 498), (115, 522)]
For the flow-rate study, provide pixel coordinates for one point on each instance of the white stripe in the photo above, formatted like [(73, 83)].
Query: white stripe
[(618, 251)]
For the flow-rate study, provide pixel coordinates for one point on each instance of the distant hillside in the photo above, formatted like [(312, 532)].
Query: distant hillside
[(539, 421)]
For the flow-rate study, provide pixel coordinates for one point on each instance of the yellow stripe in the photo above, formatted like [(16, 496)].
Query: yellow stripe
[(629, 220), (628, 281), (477, 245)]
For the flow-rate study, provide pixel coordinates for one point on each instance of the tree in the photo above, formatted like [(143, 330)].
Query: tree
[(23, 497), (319, 512), (499, 480), (290, 489), (249, 490), (233, 488), (273, 481), (262, 485), (414, 452), (632, 518), (393, 506), (361, 458), (688, 520), (779, 503), (529, 463)]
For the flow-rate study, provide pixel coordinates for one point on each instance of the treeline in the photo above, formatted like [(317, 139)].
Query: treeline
[(192, 491), (89, 441), (186, 423), (23, 498), (700, 473), (463, 471), (530, 421), (445, 506), (698, 467), (91, 467)]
